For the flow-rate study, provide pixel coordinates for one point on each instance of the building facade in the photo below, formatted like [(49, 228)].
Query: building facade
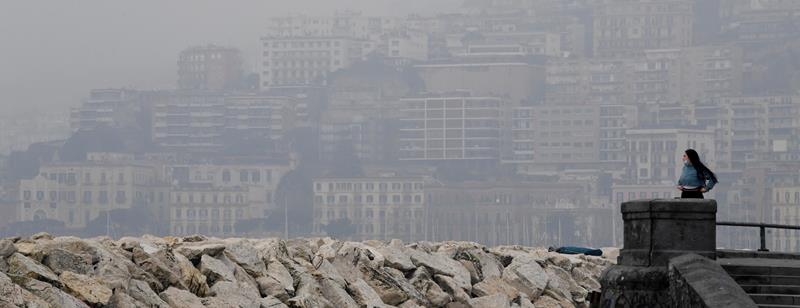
[(378, 208), (210, 68), (450, 128)]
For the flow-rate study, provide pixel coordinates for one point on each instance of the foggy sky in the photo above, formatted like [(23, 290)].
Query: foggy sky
[(53, 52)]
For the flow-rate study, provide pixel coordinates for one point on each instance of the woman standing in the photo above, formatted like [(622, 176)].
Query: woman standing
[(696, 178)]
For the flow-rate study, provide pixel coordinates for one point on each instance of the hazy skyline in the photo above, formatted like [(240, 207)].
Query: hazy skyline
[(54, 52)]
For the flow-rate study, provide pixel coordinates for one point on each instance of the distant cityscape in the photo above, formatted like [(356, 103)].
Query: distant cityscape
[(511, 122)]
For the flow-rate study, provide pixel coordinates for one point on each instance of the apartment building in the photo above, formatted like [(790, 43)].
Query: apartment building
[(305, 60), (655, 153), (380, 208), (556, 135), (202, 122), (210, 68), (77, 193), (623, 28), (450, 128), (258, 182), (208, 210), (514, 81)]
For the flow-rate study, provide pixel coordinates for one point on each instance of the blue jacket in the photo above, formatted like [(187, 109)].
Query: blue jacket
[(689, 178)]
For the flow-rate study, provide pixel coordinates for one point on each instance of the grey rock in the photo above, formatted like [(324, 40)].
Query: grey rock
[(561, 282), (7, 248), (140, 291), (491, 301), (41, 236), (215, 270), (526, 276), (268, 286), (363, 294), (85, 288), (193, 251), (177, 298), (279, 273), (49, 293), (191, 277), (60, 260), (494, 285), (452, 287), (244, 253), (336, 294), (166, 274), (443, 265), (271, 302), (12, 295), (395, 257), (122, 300), (21, 265)]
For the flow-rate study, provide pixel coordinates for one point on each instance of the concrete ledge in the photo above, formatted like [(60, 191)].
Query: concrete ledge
[(747, 254), (697, 281)]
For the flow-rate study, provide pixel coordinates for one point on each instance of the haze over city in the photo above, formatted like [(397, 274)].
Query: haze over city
[(500, 122)]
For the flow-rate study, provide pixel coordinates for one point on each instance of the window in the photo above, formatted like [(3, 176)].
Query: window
[(342, 199), (87, 197), (243, 176), (256, 175), (226, 176), (178, 213), (120, 198), (103, 197), (26, 195), (370, 199), (331, 199)]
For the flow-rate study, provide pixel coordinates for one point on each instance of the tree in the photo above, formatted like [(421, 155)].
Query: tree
[(340, 228), (101, 139), (345, 161)]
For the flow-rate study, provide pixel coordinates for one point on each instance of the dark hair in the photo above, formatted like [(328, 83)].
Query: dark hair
[(701, 169)]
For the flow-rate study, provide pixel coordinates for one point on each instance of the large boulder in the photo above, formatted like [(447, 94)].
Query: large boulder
[(12, 295), (441, 264), (527, 276), (85, 288), (177, 298), (60, 260), (191, 277), (140, 291), (21, 265), (215, 270), (7, 248), (490, 301), (49, 293), (194, 251)]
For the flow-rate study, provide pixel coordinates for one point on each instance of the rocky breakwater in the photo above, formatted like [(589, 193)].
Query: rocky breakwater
[(43, 271)]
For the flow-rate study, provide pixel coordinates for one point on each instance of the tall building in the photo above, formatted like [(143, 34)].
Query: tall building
[(379, 208), (210, 68), (514, 81), (119, 108), (655, 153), (556, 135), (305, 60), (623, 28), (450, 128), (209, 121)]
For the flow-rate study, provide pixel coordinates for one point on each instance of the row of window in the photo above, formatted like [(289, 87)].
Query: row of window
[(369, 199), (120, 197), (213, 199), (205, 213), (347, 187), (369, 213)]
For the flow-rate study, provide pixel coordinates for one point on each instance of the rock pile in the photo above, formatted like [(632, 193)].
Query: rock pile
[(43, 271)]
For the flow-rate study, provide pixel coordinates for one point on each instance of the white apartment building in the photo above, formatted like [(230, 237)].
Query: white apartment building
[(305, 60), (379, 208), (77, 193), (450, 128), (258, 182)]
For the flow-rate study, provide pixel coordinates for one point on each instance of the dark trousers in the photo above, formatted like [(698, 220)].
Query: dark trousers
[(692, 194)]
